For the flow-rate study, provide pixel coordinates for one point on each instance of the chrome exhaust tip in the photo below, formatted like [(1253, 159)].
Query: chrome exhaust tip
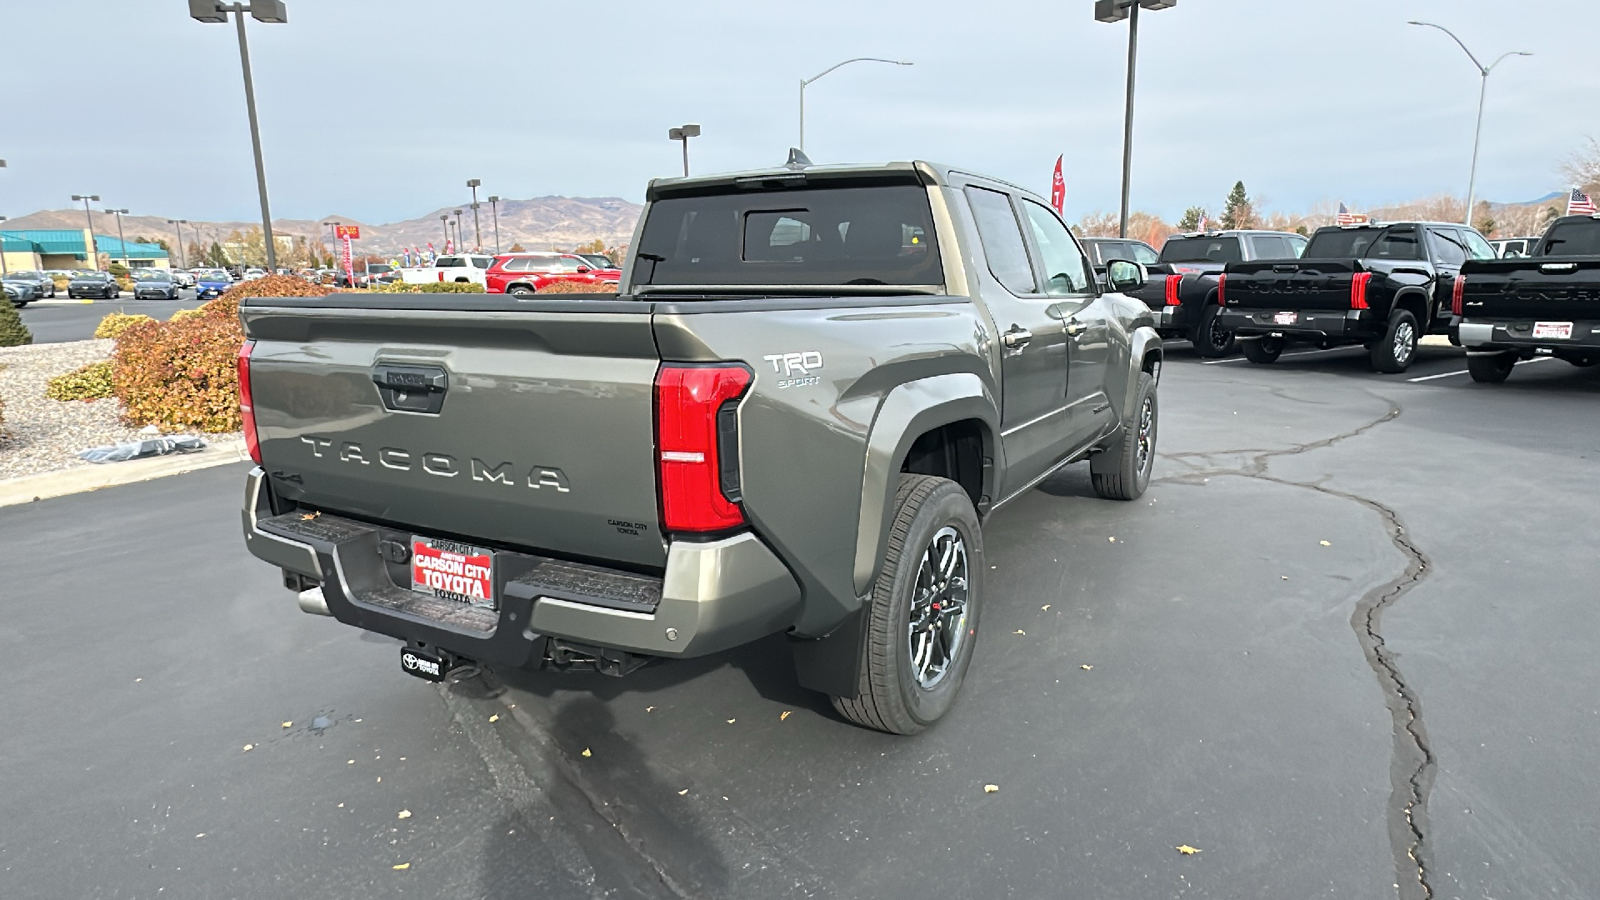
[(313, 602)]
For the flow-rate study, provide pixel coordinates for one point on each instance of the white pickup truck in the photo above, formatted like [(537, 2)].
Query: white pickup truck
[(456, 267)]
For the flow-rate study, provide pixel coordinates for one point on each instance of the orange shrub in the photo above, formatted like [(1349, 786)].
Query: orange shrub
[(578, 287)]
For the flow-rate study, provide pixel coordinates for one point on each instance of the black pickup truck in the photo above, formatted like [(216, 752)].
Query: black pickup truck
[(1547, 304), (1380, 285), (1182, 289)]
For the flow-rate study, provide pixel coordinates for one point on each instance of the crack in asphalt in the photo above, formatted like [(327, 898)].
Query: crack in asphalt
[(1412, 762)]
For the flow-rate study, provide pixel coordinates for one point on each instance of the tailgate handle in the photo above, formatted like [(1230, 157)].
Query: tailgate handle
[(1285, 267), (418, 389)]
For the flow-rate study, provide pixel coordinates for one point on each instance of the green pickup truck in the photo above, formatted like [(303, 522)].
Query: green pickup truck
[(813, 386)]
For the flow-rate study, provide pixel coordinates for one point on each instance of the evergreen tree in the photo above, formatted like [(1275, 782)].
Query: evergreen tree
[(1191, 218), (12, 332), (215, 257), (1237, 212)]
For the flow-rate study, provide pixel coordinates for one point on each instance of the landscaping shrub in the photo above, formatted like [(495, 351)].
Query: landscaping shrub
[(117, 271), (429, 287), (61, 281), (577, 287), (12, 332), (187, 314), (92, 382), (117, 322)]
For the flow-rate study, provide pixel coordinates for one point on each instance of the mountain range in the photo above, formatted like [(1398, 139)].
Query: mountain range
[(540, 223)]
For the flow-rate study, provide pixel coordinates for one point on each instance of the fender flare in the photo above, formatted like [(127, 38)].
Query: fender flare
[(1423, 297), (1144, 342), (908, 411)]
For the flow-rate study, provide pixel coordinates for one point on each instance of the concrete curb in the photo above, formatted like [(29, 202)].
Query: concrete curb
[(94, 477)]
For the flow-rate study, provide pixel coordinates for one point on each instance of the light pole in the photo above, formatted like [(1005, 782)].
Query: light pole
[(267, 11), (177, 225), (1116, 11), (459, 248), (477, 233), (806, 81), (94, 249), (445, 221), (333, 234), (2, 241), (119, 213), (494, 210), (683, 133), (1483, 90)]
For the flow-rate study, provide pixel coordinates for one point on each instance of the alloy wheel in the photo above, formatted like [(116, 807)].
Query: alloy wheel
[(937, 626), (1405, 338)]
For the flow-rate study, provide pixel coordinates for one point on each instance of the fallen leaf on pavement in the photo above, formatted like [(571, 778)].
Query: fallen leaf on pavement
[(990, 788), (495, 717), (731, 721), (1112, 540), (405, 813), (402, 867), (309, 516), (785, 714), (586, 752), (682, 792), (288, 724), (1326, 544), (201, 835), (1187, 850), (1046, 606), (1019, 631), (649, 708), (249, 747), (1086, 667)]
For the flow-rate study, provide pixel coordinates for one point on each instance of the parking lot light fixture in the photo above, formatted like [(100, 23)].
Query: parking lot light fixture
[(94, 249), (477, 233), (459, 248), (119, 213), (267, 12), (445, 221), (807, 81), (177, 225), (494, 211), (1112, 11), (2, 243), (1483, 90), (683, 133)]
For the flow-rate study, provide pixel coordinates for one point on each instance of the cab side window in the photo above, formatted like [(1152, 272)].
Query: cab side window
[(1066, 271), (1002, 240), (1447, 246)]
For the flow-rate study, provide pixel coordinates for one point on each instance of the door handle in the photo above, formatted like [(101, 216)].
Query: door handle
[(1075, 328), (1016, 338)]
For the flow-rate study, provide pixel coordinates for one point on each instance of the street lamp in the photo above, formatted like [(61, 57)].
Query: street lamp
[(445, 221), (806, 81), (119, 213), (683, 133), (270, 12), (459, 248), (94, 249), (1116, 11), (477, 233), (177, 225), (1483, 89), (495, 211)]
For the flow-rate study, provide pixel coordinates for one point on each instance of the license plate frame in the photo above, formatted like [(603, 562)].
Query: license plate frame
[(453, 570), (1286, 318), (1552, 331)]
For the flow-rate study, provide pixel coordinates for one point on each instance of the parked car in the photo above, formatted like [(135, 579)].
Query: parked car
[(1548, 304), (594, 484), (524, 274), (382, 273), (23, 289), (1184, 281), (46, 286), (1511, 248), (181, 278), (154, 285), (211, 283), (463, 267), (253, 274), (1103, 250), (16, 292), (1383, 286), (611, 274), (93, 284)]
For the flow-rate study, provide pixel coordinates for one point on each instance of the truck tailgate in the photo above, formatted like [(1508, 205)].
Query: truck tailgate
[(1554, 287), (523, 425), (1291, 284)]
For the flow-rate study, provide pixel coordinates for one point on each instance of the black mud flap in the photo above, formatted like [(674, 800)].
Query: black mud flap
[(832, 664)]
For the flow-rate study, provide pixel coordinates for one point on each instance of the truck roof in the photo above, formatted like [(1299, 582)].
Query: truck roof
[(905, 172), (1230, 232)]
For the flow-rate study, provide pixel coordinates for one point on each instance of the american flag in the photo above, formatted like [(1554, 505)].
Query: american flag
[(1201, 225), (1579, 204), (1345, 217)]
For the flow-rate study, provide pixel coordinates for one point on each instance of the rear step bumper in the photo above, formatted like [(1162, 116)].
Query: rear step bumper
[(713, 595), (1311, 324)]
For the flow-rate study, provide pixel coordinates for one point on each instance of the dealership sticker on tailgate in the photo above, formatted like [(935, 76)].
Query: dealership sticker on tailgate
[(452, 571), (1558, 330)]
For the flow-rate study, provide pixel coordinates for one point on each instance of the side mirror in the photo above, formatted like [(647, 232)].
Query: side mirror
[(583, 270), (1123, 276)]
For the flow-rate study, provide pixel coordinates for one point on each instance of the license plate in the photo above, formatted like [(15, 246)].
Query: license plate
[(1285, 318), (452, 571), (422, 665), (1557, 330)]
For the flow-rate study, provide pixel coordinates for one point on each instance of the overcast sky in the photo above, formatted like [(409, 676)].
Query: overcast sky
[(380, 110)]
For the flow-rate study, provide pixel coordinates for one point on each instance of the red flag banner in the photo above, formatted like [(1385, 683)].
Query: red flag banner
[(349, 264), (1058, 188)]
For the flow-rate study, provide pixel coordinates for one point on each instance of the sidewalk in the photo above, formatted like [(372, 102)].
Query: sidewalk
[(94, 477)]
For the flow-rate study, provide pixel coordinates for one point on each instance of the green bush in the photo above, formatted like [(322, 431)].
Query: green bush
[(12, 332), (92, 382), (182, 314), (117, 322), (117, 270)]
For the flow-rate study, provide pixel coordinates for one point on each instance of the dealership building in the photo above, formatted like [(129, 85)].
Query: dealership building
[(50, 249)]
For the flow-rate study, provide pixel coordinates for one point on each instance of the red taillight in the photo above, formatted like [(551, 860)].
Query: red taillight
[(1358, 290), (1173, 281), (247, 407), (694, 434), (1222, 285), (1457, 293)]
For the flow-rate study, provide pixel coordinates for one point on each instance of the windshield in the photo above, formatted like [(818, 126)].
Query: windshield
[(1201, 249), (91, 276), (603, 262), (1393, 242), (151, 276), (878, 235), (1577, 238)]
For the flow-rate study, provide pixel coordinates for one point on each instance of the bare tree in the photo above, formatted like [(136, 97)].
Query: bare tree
[(1582, 168)]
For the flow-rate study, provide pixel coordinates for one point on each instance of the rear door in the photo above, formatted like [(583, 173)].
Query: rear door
[(1447, 249)]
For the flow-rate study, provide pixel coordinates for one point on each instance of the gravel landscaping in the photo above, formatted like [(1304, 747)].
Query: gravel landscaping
[(44, 435)]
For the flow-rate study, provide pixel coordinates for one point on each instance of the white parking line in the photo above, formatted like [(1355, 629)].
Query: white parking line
[(1464, 371), (1218, 362)]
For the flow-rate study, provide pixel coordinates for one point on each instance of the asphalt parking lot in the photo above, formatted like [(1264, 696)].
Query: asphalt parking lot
[(1343, 647), (63, 319)]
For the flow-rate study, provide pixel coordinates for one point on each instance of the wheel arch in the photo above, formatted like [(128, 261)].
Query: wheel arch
[(1414, 301)]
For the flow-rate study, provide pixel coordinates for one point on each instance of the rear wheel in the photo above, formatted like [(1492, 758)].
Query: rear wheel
[(521, 291), (1210, 339), (1123, 472), (1490, 368), (924, 614), (1263, 350), (1394, 352)]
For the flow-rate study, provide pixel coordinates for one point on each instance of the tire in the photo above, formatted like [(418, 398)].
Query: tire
[(1210, 340), (1490, 368), (1123, 472), (1395, 352), (521, 291), (1263, 350), (897, 694)]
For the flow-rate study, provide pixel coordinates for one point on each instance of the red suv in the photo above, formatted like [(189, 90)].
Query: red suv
[(523, 274)]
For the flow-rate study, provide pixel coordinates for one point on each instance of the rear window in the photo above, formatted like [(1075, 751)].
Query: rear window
[(1201, 249), (880, 235), (1365, 243), (1580, 238)]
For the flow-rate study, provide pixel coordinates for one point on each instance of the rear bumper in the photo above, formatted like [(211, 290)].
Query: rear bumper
[(1318, 326), (1517, 334), (712, 596)]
